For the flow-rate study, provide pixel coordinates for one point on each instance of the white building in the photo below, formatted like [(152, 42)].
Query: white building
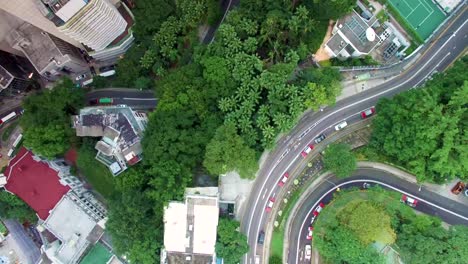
[(190, 230)]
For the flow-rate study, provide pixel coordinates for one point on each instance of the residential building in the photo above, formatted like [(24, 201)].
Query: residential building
[(353, 36), (50, 56), (190, 230), (120, 129), (71, 221), (101, 27), (15, 72)]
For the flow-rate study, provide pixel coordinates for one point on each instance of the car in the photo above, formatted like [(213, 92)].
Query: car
[(368, 112), (107, 68), (93, 102), (93, 70), (458, 188), (341, 125), (408, 200), (307, 150), (261, 237), (283, 179), (269, 206), (366, 185), (310, 232), (319, 139), (318, 209), (308, 252), (80, 77)]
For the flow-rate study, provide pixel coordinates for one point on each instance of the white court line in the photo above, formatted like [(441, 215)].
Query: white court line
[(373, 181), (333, 113), (404, 1), (413, 10)]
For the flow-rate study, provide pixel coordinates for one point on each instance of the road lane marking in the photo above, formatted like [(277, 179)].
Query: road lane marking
[(140, 99), (376, 182), (263, 197), (333, 113)]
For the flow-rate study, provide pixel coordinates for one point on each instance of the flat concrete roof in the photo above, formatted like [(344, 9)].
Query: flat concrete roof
[(69, 223), (175, 226)]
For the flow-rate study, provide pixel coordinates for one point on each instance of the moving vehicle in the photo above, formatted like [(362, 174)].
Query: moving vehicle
[(318, 209), (307, 252), (271, 201), (319, 139), (261, 237), (341, 125), (283, 180), (257, 259), (310, 232), (8, 117), (408, 200), (106, 100), (368, 112), (307, 150), (458, 188)]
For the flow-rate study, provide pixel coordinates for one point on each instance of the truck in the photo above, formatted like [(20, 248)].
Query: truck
[(105, 100), (8, 117)]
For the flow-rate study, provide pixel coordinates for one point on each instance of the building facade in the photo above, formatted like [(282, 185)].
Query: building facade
[(15, 72)]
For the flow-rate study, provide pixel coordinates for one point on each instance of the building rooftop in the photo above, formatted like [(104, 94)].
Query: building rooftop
[(5, 78), (352, 32), (190, 229), (37, 46), (34, 182), (72, 226)]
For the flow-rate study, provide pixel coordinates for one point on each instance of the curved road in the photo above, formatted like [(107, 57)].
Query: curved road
[(438, 56), (429, 203), (132, 97)]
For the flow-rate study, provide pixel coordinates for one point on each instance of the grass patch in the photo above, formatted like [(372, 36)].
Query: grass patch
[(325, 63), (9, 129), (276, 246), (95, 172), (3, 229)]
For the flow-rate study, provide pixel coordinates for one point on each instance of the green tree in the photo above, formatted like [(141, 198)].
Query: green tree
[(339, 159), (231, 245), (46, 120), (331, 9), (227, 151), (12, 207), (368, 222), (424, 129), (275, 259)]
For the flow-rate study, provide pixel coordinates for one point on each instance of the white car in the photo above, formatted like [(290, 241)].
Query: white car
[(341, 125), (308, 252), (82, 76)]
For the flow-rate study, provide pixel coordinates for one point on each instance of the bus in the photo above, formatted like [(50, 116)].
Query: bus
[(8, 117), (107, 73), (106, 100)]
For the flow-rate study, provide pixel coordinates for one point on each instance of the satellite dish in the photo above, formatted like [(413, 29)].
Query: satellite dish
[(370, 34)]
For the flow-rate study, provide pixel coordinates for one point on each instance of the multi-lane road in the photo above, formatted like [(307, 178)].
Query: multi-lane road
[(439, 54), (429, 202)]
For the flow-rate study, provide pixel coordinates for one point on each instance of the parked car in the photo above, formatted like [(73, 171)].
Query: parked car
[(368, 112), (408, 200), (458, 188), (310, 232), (341, 125), (307, 150), (319, 139), (80, 77), (283, 179), (308, 252), (261, 237), (270, 203), (93, 102)]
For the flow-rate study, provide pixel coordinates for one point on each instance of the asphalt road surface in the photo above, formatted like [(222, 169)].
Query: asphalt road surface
[(442, 51), (143, 100), (428, 202), (25, 244)]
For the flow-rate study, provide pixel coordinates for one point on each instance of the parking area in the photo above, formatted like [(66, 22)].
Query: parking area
[(424, 16)]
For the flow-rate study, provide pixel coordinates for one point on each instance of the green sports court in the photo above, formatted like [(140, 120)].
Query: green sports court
[(424, 16)]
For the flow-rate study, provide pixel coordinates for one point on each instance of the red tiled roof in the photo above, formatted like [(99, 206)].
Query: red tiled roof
[(34, 182)]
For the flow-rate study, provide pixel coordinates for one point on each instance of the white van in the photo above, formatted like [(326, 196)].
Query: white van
[(341, 125)]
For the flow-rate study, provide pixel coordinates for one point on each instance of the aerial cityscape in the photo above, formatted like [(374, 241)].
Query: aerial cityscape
[(233, 131)]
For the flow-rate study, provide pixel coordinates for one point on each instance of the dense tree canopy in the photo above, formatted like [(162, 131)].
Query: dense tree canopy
[(425, 129), (12, 207), (231, 244), (46, 121), (331, 9), (368, 222), (339, 159)]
